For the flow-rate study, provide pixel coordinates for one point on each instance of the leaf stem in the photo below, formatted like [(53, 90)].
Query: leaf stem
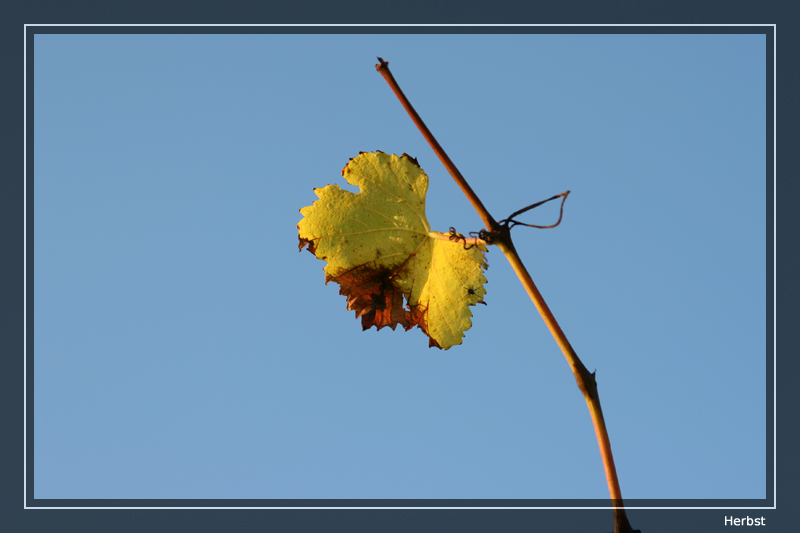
[(466, 241), (585, 380)]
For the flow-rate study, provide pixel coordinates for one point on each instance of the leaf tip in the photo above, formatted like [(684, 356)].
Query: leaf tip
[(312, 247), (412, 159), (433, 344)]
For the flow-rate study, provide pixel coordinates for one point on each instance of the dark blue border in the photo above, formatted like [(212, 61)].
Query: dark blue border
[(374, 520)]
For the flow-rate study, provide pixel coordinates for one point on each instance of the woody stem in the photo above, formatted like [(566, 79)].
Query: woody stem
[(491, 224), (585, 380)]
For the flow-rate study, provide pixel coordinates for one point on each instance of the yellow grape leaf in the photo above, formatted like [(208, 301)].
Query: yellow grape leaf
[(381, 251)]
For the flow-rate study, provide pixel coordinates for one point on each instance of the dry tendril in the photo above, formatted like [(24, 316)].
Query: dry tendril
[(489, 236)]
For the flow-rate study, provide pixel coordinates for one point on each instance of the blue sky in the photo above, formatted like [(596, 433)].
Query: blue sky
[(185, 349)]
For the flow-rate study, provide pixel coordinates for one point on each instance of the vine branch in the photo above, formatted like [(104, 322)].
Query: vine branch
[(501, 236), (491, 224)]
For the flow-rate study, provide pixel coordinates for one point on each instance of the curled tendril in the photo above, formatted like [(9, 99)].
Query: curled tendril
[(484, 235), (455, 236)]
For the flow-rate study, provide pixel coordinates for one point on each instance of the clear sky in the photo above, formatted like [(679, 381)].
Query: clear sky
[(184, 348)]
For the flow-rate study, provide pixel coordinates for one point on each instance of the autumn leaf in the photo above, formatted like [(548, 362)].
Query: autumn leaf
[(381, 251)]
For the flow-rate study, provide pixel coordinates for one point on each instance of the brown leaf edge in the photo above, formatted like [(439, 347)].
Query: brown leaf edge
[(378, 300)]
